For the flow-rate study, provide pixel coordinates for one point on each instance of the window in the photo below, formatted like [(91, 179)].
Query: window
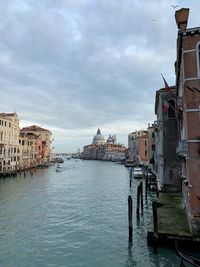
[(171, 109), (153, 147)]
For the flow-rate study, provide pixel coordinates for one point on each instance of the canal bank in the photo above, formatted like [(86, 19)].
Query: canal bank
[(171, 223), (77, 217)]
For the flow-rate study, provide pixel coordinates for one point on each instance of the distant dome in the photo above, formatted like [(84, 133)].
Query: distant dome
[(98, 138), (110, 140)]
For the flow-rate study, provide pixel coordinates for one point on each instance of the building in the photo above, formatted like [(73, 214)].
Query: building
[(101, 150), (43, 144), (187, 68), (151, 145), (9, 142), (167, 165), (98, 138), (27, 149), (138, 146)]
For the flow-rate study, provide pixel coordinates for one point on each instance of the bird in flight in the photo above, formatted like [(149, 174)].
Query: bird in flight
[(174, 6)]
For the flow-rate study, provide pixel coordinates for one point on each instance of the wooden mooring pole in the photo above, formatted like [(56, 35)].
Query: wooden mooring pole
[(141, 195), (138, 202), (146, 186), (155, 219), (130, 220)]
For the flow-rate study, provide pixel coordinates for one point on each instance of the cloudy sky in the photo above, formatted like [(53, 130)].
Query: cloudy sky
[(73, 66)]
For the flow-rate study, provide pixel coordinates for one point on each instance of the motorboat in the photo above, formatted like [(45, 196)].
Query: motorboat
[(138, 172), (58, 169), (129, 163)]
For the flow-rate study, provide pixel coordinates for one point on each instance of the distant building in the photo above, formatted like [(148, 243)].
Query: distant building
[(27, 148), (43, 147), (138, 146), (9, 142), (98, 138), (151, 145), (101, 150)]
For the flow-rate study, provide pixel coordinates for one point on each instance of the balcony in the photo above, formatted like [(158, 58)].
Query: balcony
[(182, 149)]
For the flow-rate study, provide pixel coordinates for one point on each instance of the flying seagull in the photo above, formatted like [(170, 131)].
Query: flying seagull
[(174, 6)]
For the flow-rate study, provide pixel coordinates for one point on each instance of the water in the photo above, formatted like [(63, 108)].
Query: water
[(77, 217)]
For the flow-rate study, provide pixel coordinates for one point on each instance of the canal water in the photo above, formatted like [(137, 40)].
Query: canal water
[(77, 217)]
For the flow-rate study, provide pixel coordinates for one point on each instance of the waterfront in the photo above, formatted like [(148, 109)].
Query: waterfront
[(77, 217)]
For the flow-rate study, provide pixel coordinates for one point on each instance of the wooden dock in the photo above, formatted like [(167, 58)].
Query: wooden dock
[(172, 225)]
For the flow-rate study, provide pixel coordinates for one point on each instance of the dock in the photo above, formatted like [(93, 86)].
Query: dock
[(172, 224)]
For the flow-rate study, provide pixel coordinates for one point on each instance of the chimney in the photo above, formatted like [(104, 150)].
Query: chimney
[(181, 17)]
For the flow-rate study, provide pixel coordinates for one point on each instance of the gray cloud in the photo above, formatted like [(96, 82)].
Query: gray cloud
[(74, 66)]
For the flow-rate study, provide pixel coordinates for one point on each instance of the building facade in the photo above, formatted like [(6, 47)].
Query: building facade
[(167, 165), (9, 142), (43, 144), (151, 145), (138, 146), (27, 148), (188, 99)]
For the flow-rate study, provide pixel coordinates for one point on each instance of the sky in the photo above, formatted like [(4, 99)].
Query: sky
[(73, 66)]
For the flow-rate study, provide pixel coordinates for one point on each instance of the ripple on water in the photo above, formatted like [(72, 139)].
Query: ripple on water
[(74, 218)]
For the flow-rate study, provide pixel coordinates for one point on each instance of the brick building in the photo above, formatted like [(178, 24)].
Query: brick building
[(188, 98)]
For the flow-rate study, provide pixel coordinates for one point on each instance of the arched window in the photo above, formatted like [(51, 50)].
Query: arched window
[(171, 109)]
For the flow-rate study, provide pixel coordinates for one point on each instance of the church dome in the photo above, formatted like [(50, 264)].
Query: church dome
[(110, 140), (98, 138)]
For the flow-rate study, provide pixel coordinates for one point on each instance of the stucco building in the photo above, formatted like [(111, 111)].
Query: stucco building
[(167, 165), (138, 146), (9, 142), (27, 148), (151, 145), (43, 144)]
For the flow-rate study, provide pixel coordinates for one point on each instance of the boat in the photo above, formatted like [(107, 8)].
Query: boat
[(138, 172), (187, 259), (42, 166), (57, 160), (129, 163), (58, 169)]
